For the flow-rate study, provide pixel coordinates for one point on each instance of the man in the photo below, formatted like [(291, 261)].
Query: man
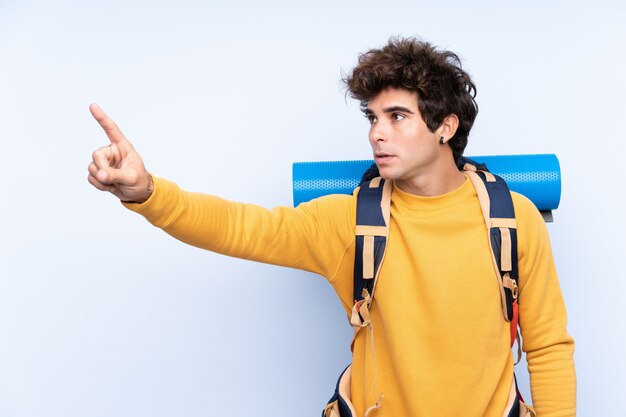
[(440, 345)]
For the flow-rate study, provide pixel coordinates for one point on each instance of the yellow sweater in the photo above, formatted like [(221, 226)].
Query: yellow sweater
[(440, 339)]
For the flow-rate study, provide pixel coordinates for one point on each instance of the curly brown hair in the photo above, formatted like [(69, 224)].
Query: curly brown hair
[(442, 86)]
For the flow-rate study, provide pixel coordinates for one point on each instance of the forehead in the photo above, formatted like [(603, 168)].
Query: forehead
[(393, 97)]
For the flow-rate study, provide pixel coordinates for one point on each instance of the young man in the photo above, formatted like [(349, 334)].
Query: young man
[(440, 345)]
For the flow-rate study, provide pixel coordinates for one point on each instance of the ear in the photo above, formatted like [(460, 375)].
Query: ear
[(448, 127)]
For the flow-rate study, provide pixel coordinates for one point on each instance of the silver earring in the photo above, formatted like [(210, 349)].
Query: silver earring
[(441, 140)]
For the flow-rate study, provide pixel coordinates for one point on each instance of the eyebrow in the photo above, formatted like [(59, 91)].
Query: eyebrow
[(391, 109)]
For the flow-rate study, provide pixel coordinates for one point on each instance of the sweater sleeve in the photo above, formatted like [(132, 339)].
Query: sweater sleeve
[(543, 319), (313, 237)]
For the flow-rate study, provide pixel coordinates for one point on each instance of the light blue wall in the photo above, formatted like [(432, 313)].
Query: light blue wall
[(103, 315)]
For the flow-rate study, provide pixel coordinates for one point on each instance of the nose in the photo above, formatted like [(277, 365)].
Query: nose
[(378, 132)]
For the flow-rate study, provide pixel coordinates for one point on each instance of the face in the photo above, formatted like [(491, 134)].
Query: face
[(404, 149)]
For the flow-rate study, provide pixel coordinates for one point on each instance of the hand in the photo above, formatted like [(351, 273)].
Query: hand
[(118, 168)]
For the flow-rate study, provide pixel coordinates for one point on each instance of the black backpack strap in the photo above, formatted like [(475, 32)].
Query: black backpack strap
[(497, 207), (464, 160), (373, 215), (371, 234), (372, 229)]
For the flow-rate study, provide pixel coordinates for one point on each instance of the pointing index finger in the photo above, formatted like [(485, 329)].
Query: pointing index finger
[(110, 128)]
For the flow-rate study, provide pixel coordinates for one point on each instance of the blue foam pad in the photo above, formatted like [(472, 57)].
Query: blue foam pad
[(538, 177)]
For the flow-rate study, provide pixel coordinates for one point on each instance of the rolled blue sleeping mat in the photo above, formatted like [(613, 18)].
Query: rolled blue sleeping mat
[(537, 176)]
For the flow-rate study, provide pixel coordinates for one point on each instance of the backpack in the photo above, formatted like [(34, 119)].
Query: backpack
[(372, 230)]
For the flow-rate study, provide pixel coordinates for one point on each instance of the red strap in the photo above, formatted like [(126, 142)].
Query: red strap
[(514, 322)]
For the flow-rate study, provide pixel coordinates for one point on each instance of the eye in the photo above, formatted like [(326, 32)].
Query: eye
[(371, 118), (397, 117)]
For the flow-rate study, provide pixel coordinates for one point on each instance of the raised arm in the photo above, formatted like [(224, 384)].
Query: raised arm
[(313, 237)]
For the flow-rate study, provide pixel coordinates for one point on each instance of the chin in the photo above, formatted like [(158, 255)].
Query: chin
[(387, 174)]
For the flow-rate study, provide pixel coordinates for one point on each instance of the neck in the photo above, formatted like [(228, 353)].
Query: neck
[(434, 182)]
